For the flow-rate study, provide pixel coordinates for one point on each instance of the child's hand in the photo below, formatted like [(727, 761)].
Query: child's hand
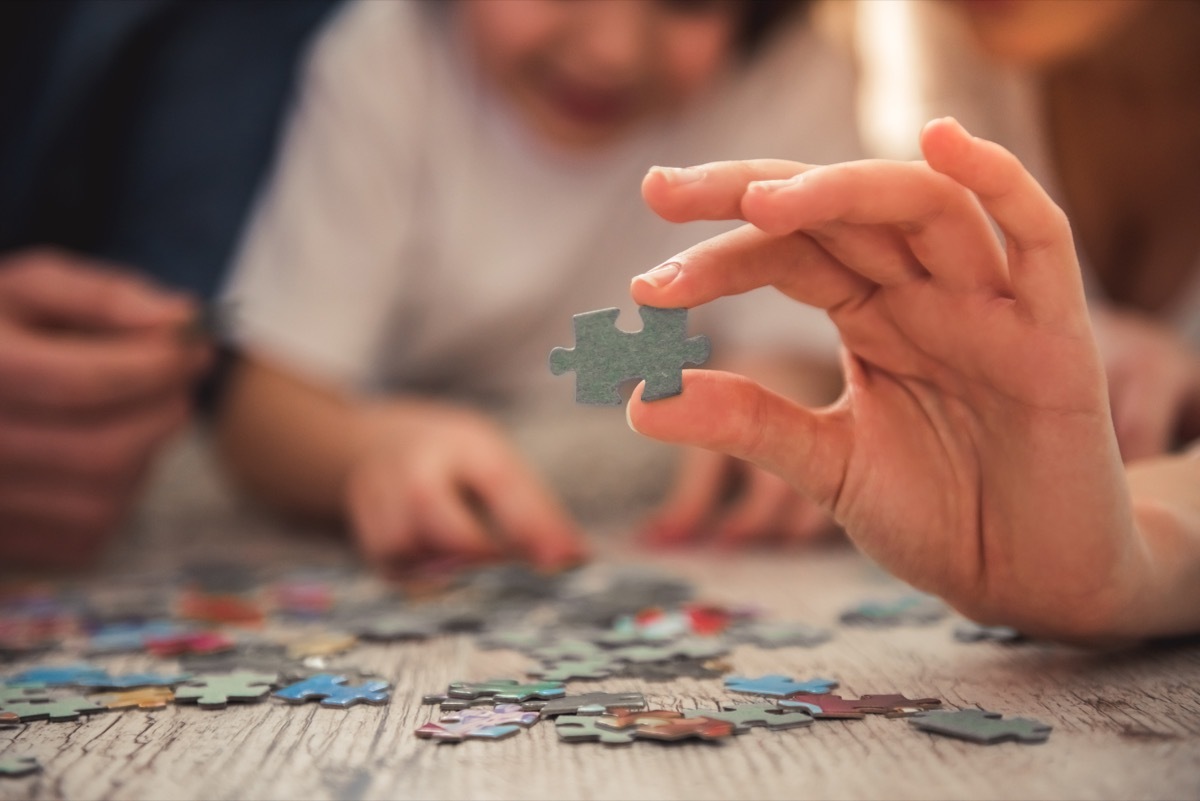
[(437, 482), (1153, 383), (973, 452), (732, 503)]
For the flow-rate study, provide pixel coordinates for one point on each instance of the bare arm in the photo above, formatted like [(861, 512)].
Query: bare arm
[(416, 479)]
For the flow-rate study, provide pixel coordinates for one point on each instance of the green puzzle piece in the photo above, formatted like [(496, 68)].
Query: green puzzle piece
[(18, 766), (604, 356), (743, 716), (215, 692)]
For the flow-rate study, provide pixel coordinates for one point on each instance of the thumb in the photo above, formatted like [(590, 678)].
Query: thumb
[(731, 414)]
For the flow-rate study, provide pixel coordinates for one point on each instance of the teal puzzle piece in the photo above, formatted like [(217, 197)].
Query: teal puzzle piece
[(604, 356)]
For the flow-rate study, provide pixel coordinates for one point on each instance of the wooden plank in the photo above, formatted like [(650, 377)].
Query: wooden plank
[(1126, 723)]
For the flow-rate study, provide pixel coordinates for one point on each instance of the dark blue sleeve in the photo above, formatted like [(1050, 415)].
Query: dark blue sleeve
[(142, 129)]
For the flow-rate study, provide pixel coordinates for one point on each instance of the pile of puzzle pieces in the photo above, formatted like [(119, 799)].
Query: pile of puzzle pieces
[(233, 636)]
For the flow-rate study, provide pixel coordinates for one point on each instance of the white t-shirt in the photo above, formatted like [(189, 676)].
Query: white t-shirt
[(940, 72), (415, 237)]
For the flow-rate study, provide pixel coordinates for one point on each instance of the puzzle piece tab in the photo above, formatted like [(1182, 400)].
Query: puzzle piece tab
[(604, 356), (981, 726), (334, 692)]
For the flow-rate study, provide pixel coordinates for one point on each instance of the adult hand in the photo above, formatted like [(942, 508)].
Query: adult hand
[(94, 376), (973, 453), (1153, 383), (733, 503), (440, 483)]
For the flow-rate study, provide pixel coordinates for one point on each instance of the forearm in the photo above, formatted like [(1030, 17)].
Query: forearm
[(1166, 498), (290, 442)]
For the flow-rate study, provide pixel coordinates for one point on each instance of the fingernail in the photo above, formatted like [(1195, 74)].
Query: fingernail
[(661, 275), (678, 176), (629, 420)]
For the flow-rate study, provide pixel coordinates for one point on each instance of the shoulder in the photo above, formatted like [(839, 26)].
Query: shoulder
[(377, 43)]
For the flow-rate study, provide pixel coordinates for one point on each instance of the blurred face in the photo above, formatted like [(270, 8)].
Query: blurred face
[(583, 73), (1040, 33)]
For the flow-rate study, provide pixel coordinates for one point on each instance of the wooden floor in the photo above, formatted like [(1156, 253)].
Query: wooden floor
[(1126, 724)]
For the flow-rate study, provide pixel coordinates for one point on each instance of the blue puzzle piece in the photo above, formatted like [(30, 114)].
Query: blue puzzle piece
[(129, 681), (778, 686), (62, 676), (604, 356), (333, 692)]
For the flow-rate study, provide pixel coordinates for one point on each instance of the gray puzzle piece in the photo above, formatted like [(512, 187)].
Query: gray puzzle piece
[(743, 716), (981, 726), (604, 356)]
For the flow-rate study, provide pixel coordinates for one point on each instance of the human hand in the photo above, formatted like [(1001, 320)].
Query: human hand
[(732, 503), (438, 484), (1153, 383), (973, 452), (94, 377)]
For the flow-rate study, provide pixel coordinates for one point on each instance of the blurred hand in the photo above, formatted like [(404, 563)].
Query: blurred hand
[(94, 377), (973, 452), (733, 503), (441, 484), (1153, 383)]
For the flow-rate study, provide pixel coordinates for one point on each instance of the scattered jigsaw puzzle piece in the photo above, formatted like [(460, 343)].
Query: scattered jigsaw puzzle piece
[(825, 705), (768, 634), (495, 723), (584, 728), (57, 710), (217, 691), (913, 609), (665, 724), (334, 692), (13, 767), (598, 667), (778, 686), (60, 676), (597, 703), (743, 716), (507, 690), (604, 356), (969, 631), (140, 698), (129, 681), (981, 726), (396, 626)]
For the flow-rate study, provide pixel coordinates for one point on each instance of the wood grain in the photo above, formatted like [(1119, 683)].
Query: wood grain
[(1126, 723)]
